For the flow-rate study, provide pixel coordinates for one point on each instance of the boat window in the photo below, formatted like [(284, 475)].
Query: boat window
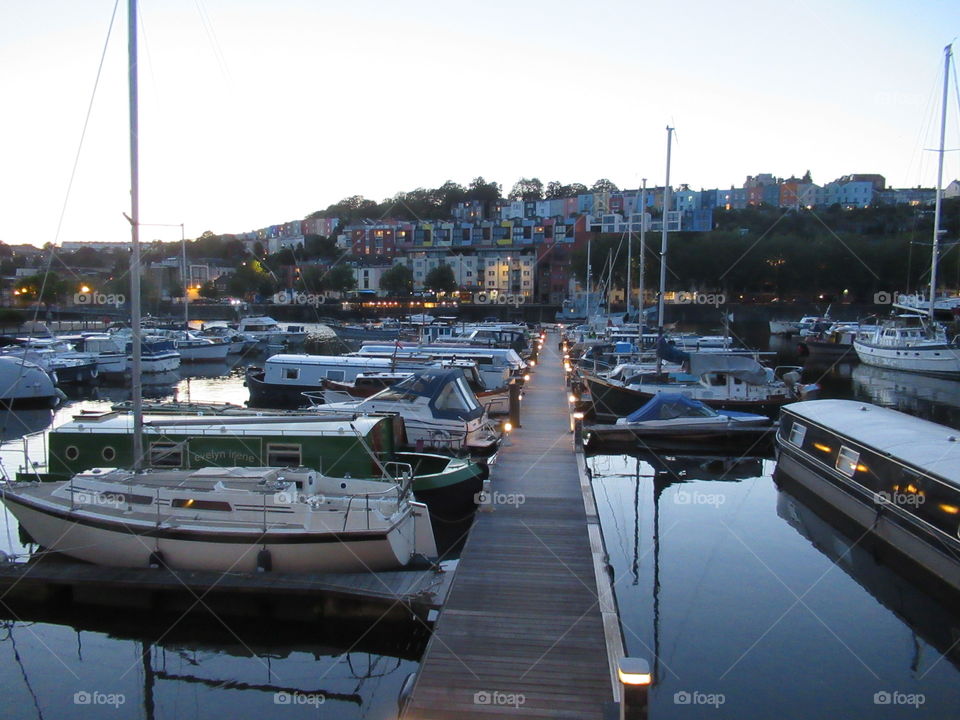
[(847, 461), (283, 455), (193, 504), (469, 399), (335, 375), (72, 452), (109, 453), (797, 433), (451, 399), (166, 454), (291, 373)]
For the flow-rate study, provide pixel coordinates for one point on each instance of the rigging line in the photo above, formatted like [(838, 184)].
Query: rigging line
[(917, 156), (214, 41)]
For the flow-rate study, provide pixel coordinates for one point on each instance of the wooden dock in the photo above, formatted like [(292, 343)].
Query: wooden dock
[(523, 631)]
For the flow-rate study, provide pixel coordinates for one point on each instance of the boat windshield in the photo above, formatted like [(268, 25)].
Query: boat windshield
[(456, 396)]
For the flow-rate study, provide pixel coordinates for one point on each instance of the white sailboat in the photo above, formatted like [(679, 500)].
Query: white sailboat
[(913, 342), (226, 519)]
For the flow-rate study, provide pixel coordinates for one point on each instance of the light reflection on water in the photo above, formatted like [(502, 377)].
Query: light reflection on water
[(716, 576)]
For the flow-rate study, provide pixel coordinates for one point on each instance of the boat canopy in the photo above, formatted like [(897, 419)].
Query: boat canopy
[(447, 390), (740, 366), (667, 406)]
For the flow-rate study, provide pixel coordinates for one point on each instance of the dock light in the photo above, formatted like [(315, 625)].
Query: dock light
[(578, 416), (635, 679), (508, 426), (533, 363), (526, 378), (566, 367), (571, 398), (84, 289)]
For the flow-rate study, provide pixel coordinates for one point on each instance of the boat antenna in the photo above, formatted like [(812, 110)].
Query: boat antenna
[(135, 385), (663, 253), (947, 54)]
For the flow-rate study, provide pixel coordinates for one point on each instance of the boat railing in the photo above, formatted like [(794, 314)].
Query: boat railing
[(399, 490)]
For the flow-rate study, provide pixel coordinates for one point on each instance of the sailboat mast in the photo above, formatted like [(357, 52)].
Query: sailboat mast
[(185, 279), (135, 385), (643, 233), (663, 250), (947, 52), (629, 261), (587, 310)]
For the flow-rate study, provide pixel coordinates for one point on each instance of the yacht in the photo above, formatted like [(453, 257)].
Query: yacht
[(910, 342), (24, 384), (231, 519), (267, 331)]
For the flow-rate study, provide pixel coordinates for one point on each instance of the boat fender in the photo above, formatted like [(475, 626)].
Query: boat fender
[(156, 560), (264, 561), (791, 378)]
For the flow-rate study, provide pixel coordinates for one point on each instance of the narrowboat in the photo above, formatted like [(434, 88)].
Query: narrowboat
[(893, 474)]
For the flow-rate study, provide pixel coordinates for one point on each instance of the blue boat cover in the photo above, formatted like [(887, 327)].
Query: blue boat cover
[(622, 347), (668, 351), (666, 406)]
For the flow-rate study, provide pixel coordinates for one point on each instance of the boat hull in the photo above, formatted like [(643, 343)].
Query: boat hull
[(936, 360), (204, 353), (86, 537)]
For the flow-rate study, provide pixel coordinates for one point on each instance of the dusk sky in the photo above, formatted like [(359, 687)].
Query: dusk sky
[(255, 112)]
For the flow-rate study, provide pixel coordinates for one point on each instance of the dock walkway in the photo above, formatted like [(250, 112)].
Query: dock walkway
[(522, 632)]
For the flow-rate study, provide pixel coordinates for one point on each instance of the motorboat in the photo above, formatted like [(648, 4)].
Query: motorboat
[(671, 420), (267, 331), (109, 351), (229, 519), (238, 342), (195, 348), (893, 474), (66, 367), (24, 384), (438, 408), (912, 343), (720, 380)]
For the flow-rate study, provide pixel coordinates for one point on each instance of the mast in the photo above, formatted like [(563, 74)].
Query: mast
[(663, 250), (183, 277), (643, 232), (947, 52), (587, 308), (629, 260), (135, 385)]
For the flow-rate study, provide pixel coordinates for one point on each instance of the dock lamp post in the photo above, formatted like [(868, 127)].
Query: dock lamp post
[(635, 680)]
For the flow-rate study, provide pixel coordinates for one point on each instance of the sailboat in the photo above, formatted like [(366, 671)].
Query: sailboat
[(911, 341), (225, 519)]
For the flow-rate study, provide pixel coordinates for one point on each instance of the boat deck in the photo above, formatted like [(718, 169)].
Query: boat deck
[(523, 619)]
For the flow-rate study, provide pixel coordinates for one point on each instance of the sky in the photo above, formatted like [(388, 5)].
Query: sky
[(255, 113)]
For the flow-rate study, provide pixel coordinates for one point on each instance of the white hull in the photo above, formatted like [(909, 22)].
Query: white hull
[(937, 360), (204, 353), (118, 547), (784, 327), (160, 363), (112, 364)]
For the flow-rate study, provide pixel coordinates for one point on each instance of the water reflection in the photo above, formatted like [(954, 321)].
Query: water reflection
[(932, 398), (724, 597), (144, 666), (875, 570)]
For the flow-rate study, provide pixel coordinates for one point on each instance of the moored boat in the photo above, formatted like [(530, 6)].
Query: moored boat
[(231, 519), (893, 474)]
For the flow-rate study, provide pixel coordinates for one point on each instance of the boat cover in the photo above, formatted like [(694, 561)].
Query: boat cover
[(668, 351), (667, 406), (740, 366)]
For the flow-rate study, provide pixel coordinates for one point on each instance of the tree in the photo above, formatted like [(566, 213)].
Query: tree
[(480, 189), (398, 280), (339, 278), (603, 185), (48, 288), (527, 189), (556, 190), (441, 279), (317, 246)]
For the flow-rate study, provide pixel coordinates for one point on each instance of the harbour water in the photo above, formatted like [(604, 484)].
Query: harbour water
[(757, 603)]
